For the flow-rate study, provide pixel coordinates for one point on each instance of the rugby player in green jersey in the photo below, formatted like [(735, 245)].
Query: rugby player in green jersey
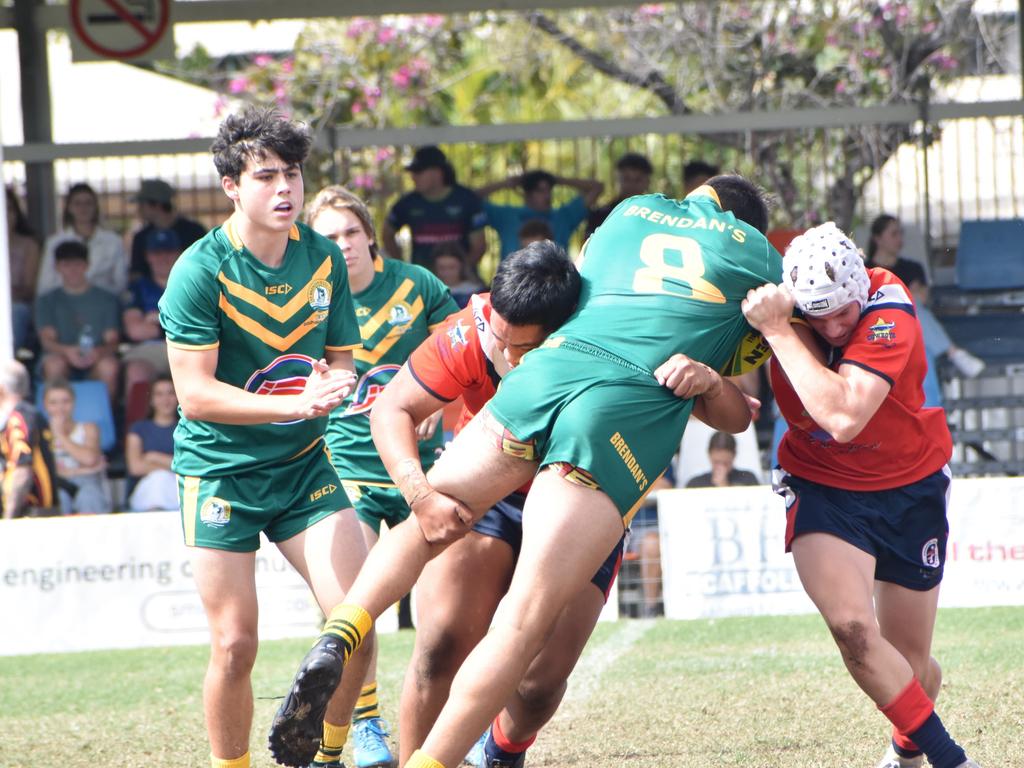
[(591, 410), (260, 329), (397, 306)]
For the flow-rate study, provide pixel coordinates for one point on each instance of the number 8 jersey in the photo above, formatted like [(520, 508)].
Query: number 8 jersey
[(663, 276)]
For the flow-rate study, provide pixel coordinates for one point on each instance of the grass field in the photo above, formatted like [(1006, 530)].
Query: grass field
[(753, 692)]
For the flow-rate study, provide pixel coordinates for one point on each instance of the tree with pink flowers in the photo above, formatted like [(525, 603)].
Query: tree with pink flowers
[(647, 60)]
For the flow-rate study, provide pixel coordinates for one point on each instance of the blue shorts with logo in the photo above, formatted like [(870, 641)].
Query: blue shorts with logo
[(505, 521), (904, 529)]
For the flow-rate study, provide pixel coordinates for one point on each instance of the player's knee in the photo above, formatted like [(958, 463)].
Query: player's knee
[(440, 656), (541, 695), (853, 637), (234, 653)]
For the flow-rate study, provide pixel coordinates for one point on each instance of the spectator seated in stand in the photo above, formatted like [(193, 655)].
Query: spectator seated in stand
[(107, 263), (29, 479), (147, 356), (450, 266), (78, 323), (885, 250), (149, 448), (77, 454), (723, 474), (156, 209)]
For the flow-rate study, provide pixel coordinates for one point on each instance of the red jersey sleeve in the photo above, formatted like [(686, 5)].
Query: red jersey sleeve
[(884, 339)]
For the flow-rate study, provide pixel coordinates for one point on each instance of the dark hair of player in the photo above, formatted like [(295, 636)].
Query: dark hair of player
[(253, 133), (743, 198), (536, 285)]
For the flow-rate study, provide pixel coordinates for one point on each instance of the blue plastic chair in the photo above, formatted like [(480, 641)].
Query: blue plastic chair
[(92, 403), (990, 256)]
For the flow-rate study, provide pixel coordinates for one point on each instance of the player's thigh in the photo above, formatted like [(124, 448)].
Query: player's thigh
[(474, 469), (906, 618), (613, 428), (226, 582), (837, 576), (328, 555), (568, 531), (458, 592)]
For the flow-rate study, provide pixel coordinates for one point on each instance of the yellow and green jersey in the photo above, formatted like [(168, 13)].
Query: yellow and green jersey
[(663, 276), (396, 313), (269, 325)]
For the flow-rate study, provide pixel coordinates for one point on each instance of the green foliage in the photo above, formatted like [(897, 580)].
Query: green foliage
[(651, 59)]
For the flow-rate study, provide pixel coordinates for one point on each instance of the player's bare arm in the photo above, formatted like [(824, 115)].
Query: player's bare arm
[(398, 410), (840, 403), (719, 402), (203, 397)]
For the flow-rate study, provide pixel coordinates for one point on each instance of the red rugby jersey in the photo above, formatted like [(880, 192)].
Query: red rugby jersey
[(460, 359), (903, 442)]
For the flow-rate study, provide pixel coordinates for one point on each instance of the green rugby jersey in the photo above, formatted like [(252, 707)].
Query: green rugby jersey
[(269, 325), (396, 313), (663, 276)]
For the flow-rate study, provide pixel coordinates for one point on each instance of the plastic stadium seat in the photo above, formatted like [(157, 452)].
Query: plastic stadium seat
[(91, 404), (990, 256)]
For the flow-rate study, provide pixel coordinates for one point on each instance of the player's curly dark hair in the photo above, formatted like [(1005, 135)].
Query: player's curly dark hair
[(536, 285), (747, 201), (252, 134)]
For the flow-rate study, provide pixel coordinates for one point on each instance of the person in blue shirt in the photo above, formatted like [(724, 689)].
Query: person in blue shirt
[(537, 187)]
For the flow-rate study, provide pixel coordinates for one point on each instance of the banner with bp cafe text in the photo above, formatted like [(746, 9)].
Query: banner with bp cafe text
[(125, 581), (722, 550)]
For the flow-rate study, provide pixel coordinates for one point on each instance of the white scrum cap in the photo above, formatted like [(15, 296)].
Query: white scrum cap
[(825, 271)]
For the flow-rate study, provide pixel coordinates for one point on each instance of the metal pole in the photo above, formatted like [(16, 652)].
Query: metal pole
[(6, 331), (33, 61), (925, 139)]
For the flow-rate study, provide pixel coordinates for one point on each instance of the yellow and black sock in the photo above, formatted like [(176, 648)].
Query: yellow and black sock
[(332, 743), (367, 705), (420, 759), (235, 762), (349, 624)]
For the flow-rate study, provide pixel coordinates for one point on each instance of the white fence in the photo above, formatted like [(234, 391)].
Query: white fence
[(722, 550)]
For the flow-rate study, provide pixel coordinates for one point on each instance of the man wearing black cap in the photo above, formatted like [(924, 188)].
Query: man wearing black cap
[(437, 211), (156, 209)]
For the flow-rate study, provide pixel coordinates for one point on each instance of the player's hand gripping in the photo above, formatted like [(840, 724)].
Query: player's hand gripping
[(326, 388), (768, 308), (688, 378), (441, 518)]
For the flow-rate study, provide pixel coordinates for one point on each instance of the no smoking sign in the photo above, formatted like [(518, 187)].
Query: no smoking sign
[(126, 30)]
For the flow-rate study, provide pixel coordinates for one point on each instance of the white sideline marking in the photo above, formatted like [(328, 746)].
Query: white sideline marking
[(585, 680)]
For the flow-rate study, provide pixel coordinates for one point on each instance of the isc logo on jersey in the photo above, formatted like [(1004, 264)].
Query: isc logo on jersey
[(286, 375), (369, 386)]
